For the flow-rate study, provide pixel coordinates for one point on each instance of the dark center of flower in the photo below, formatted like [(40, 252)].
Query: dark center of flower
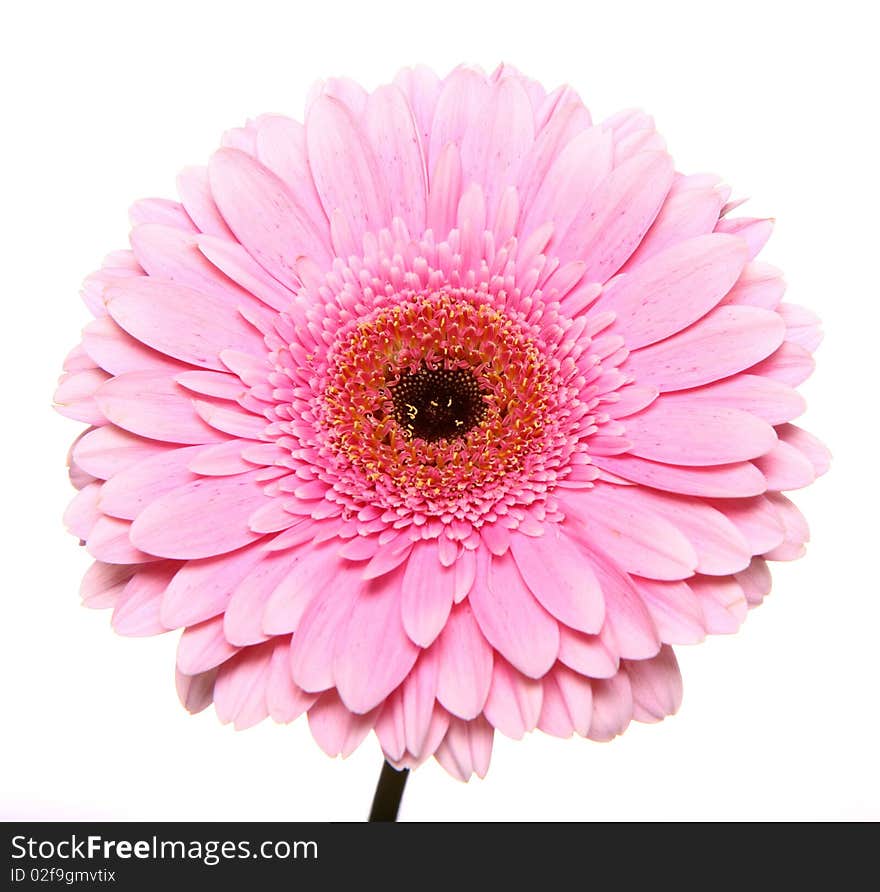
[(438, 404)]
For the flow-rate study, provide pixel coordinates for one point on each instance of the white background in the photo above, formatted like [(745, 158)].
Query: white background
[(104, 102)]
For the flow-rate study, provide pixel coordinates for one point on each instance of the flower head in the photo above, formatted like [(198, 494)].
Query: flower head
[(447, 412)]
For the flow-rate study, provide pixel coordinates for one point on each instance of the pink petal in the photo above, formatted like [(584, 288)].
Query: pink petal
[(722, 481), (129, 492), (754, 231), (136, 611), (152, 405), (172, 257), (208, 517), (609, 519), (393, 134), (784, 467), (445, 191), (221, 460), (428, 590), (103, 584), (344, 168), (611, 225), (311, 571), (336, 729), (203, 646), (727, 340), (421, 87), (674, 288), (567, 705), (512, 620), (719, 545), (235, 262), (390, 727), (285, 700), (117, 352), (196, 692), (110, 540), (656, 686), (107, 450), (75, 395), (83, 512), (201, 589), (802, 326), (790, 364), (757, 520), (570, 181), (514, 702), (567, 122), (242, 618), (759, 285), (685, 214), (418, 693), (265, 216), (195, 193), (675, 610), (755, 581), (189, 325), (281, 146), (240, 689), (466, 749), (464, 665), (612, 707), (723, 603), (560, 577), (628, 623), (373, 653), (459, 104), (805, 443), (763, 397), (312, 649), (493, 153), (588, 655), (697, 435)]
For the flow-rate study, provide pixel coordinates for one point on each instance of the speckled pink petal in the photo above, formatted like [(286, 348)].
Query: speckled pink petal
[(610, 226), (727, 340), (674, 288), (345, 169), (201, 589), (264, 215), (391, 129)]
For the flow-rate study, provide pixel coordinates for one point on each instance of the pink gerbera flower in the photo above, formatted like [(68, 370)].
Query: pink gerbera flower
[(446, 412)]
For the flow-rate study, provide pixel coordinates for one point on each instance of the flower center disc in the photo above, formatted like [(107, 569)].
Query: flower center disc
[(438, 404)]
